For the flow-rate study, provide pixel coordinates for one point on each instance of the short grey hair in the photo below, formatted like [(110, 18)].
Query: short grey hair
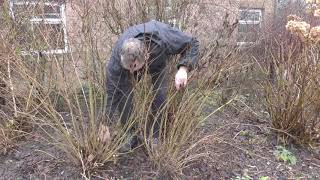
[(132, 49)]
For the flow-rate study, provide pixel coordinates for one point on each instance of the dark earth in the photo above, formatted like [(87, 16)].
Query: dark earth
[(242, 148)]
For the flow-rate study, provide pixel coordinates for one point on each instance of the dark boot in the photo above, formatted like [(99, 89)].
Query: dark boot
[(132, 142)]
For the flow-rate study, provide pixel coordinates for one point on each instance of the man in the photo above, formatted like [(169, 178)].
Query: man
[(147, 45)]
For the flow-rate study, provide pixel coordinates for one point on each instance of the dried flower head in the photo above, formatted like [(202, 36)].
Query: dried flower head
[(302, 29), (317, 12), (299, 28), (315, 34), (293, 17)]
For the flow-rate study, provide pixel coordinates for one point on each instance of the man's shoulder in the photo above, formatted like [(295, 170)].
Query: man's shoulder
[(148, 26)]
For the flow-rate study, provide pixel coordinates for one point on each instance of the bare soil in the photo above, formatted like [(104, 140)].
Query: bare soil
[(243, 144)]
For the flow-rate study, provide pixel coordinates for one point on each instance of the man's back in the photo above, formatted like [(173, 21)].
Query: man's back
[(147, 45), (168, 40)]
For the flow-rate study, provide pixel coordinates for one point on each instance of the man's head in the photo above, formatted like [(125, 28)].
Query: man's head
[(133, 55)]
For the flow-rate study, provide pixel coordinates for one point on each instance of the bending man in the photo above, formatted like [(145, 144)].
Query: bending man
[(150, 44)]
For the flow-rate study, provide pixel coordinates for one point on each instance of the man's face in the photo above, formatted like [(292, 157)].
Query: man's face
[(135, 65), (133, 55), (132, 65)]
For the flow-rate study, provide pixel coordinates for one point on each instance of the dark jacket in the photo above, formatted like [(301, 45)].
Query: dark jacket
[(164, 41)]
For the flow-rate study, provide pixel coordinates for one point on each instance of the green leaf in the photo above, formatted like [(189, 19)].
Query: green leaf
[(264, 178), (284, 155)]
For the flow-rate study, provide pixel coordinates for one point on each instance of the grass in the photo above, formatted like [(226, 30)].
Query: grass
[(290, 85), (11, 131), (69, 112), (180, 144), (293, 100), (7, 138), (65, 97), (13, 126)]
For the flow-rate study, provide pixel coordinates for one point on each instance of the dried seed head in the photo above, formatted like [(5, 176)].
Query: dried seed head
[(317, 12), (315, 34), (293, 17), (299, 28), (302, 29)]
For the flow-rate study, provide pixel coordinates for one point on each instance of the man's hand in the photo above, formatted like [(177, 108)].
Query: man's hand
[(181, 78), (104, 135)]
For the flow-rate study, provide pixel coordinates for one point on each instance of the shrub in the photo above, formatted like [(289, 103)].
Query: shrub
[(293, 96), (64, 94)]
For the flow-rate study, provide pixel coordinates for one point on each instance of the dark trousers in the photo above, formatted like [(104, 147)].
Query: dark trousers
[(120, 96), (160, 89)]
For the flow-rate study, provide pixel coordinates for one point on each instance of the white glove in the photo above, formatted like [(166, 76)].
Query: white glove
[(181, 78)]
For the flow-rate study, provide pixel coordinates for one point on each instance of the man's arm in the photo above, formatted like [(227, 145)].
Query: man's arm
[(181, 43), (185, 45), (119, 92)]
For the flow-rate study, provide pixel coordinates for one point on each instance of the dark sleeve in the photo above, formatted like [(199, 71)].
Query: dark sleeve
[(183, 44)]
